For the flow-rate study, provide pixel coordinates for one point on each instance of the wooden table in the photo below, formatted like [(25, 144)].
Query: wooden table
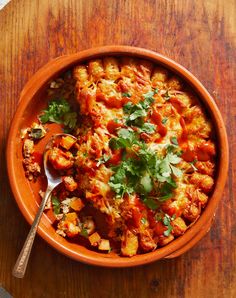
[(200, 35)]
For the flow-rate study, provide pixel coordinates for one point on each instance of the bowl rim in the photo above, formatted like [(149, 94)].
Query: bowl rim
[(56, 66)]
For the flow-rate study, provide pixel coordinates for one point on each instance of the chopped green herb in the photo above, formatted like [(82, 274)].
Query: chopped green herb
[(126, 94), (167, 190), (174, 141), (166, 165), (155, 91), (158, 216), (146, 172), (149, 97), (84, 233), (125, 177), (174, 149), (164, 120), (59, 111), (179, 152), (103, 159), (192, 164), (136, 112), (146, 183), (70, 119), (143, 220), (55, 204), (167, 222), (126, 139), (151, 203), (55, 111), (148, 128)]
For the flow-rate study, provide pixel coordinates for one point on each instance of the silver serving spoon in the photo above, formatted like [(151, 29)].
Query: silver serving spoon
[(53, 179)]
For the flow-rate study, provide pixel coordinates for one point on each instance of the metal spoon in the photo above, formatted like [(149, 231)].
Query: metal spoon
[(53, 179)]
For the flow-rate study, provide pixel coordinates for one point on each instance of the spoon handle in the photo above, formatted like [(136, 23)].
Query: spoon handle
[(22, 261)]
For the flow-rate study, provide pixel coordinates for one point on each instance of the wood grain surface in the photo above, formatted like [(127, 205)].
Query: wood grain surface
[(201, 36)]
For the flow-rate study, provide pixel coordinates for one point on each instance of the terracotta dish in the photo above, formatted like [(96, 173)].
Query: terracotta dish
[(26, 193)]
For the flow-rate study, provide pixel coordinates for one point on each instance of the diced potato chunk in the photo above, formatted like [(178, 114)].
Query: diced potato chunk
[(72, 216), (60, 160), (165, 240), (94, 239), (70, 183), (67, 142), (104, 244), (129, 244), (69, 226), (146, 241), (28, 148), (72, 230), (179, 226), (77, 204)]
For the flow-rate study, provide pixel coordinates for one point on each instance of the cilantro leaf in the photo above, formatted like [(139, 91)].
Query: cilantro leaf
[(149, 97), (127, 107), (136, 112), (55, 204), (155, 90), (167, 222), (59, 111), (148, 128), (166, 191), (103, 159), (126, 94), (164, 120), (84, 233), (173, 158), (126, 138), (166, 165), (125, 177), (177, 172), (143, 220), (70, 119), (151, 203), (146, 183), (192, 164), (56, 109), (174, 141)]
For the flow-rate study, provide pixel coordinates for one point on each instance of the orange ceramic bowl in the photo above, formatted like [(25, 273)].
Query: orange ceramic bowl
[(26, 194)]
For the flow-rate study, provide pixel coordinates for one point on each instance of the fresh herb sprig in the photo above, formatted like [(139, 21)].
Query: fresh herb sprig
[(135, 113), (103, 159), (55, 205), (167, 222), (145, 171), (59, 111)]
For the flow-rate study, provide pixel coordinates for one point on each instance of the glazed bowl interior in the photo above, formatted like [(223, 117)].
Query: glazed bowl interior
[(26, 193)]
